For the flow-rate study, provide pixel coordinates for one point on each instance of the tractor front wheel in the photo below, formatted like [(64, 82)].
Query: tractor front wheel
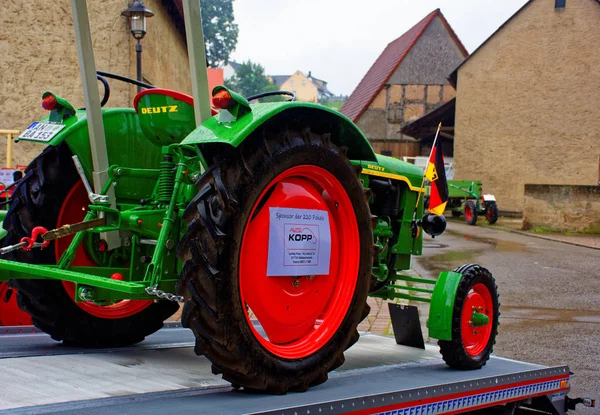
[(263, 325), (51, 195), (474, 320), (491, 212), (470, 212)]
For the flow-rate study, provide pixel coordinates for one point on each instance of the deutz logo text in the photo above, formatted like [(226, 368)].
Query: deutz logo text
[(158, 110)]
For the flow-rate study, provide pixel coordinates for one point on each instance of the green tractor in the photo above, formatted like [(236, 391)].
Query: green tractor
[(465, 197), (270, 222)]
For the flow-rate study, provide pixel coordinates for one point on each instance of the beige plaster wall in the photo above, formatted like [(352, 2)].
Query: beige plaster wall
[(38, 53), (165, 61), (527, 103)]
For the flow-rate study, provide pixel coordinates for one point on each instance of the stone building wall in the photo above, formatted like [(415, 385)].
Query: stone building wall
[(39, 53), (562, 208), (396, 106), (417, 86), (526, 109)]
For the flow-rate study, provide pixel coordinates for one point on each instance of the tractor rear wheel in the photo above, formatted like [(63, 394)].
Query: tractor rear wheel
[(51, 195), (491, 212), (276, 331), (470, 212), (474, 320)]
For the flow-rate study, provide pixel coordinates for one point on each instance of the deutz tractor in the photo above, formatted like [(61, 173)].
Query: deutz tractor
[(270, 222)]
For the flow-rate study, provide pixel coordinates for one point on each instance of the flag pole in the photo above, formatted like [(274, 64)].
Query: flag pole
[(429, 158)]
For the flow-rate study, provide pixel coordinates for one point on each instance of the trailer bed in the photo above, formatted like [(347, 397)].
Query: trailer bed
[(163, 375)]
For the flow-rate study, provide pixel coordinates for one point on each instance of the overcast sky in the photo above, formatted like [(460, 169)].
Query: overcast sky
[(338, 40)]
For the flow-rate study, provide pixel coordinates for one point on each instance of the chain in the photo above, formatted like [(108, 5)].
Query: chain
[(153, 290)]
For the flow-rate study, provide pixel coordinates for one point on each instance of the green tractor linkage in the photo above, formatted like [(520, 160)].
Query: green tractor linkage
[(270, 222)]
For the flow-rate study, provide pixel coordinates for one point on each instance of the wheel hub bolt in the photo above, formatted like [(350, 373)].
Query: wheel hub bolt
[(296, 283)]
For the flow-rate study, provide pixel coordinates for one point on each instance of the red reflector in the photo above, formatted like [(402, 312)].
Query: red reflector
[(116, 276), (222, 99), (102, 245), (49, 102)]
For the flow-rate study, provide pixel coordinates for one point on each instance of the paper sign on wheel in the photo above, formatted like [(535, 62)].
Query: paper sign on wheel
[(299, 242)]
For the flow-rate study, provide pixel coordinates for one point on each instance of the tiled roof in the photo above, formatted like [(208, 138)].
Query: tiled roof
[(386, 64), (320, 84), (279, 79)]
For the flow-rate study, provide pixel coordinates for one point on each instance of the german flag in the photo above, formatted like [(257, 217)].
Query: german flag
[(436, 174)]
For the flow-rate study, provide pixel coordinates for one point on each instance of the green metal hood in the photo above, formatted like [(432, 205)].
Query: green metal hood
[(389, 167)]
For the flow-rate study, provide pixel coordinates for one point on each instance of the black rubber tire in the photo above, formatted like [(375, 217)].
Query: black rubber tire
[(472, 207), (491, 212), (456, 214), (453, 351), (210, 251), (37, 201)]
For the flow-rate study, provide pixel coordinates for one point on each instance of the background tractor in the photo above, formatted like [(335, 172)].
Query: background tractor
[(270, 222), (464, 196)]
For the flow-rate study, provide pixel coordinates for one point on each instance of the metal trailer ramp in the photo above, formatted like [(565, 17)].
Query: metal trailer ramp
[(163, 375)]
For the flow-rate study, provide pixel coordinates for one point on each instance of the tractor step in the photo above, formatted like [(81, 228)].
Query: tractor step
[(377, 377)]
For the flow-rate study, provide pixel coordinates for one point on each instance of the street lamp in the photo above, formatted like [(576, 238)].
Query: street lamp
[(137, 14)]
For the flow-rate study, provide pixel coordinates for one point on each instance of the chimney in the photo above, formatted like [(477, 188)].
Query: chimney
[(560, 4), (309, 74)]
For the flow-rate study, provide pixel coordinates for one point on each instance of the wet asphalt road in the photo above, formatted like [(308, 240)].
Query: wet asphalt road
[(549, 295)]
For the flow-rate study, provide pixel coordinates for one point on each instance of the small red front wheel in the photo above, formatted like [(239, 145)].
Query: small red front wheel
[(474, 320), (491, 212)]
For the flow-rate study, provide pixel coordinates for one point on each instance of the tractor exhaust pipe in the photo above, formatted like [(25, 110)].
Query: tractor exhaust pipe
[(433, 225)]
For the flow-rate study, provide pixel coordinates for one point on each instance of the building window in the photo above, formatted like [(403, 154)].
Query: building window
[(292, 83), (560, 4), (303, 82), (386, 152)]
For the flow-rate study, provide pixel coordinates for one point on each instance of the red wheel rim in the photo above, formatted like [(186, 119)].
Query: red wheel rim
[(476, 338), (73, 210), (300, 320), (468, 213)]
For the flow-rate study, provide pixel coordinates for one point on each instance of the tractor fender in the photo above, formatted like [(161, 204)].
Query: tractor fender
[(126, 145), (318, 118), (76, 135), (442, 305)]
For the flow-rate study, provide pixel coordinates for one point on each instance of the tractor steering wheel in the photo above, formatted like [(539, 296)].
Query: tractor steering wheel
[(101, 75), (292, 95)]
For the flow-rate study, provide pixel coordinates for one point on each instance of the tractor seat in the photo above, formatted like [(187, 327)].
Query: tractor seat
[(161, 91), (166, 116)]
